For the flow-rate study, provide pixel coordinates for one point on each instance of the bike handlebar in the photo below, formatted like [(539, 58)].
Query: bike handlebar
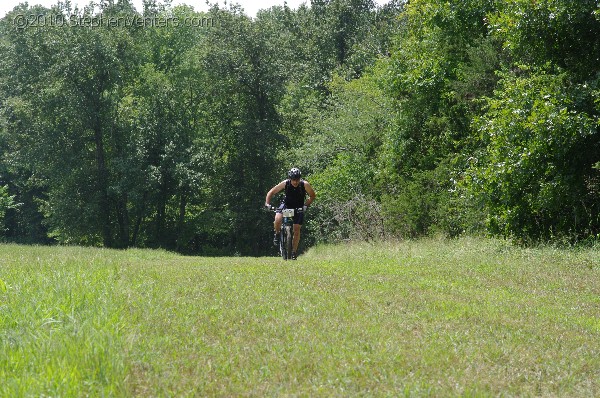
[(273, 208)]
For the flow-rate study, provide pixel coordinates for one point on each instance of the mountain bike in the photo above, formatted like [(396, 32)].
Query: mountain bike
[(286, 236)]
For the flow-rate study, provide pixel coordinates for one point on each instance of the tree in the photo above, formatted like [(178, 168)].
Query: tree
[(560, 32), (342, 156), (539, 131), (7, 202), (443, 62), (243, 79)]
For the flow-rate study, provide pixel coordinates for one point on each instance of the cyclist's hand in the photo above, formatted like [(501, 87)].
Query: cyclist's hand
[(267, 206), (304, 208)]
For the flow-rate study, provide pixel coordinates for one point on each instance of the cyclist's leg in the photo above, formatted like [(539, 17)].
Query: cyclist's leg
[(278, 218), (277, 227), (298, 220), (287, 232), (278, 222), (296, 237)]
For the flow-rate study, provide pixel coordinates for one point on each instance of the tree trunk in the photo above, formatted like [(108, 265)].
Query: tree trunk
[(138, 221), (160, 220), (181, 220), (123, 219), (104, 204)]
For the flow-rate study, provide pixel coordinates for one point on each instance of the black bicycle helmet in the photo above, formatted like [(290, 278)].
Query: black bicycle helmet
[(294, 173)]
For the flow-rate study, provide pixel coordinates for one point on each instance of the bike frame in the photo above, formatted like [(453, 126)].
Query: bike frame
[(286, 238)]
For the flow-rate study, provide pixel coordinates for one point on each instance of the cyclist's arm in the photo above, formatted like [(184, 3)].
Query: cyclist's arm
[(311, 193), (274, 191)]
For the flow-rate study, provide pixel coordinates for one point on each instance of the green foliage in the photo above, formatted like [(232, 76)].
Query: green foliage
[(341, 150), (7, 202), (409, 119), (536, 174), (442, 64), (346, 208), (246, 81), (561, 32), (131, 129)]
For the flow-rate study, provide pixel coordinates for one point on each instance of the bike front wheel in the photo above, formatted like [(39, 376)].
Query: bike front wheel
[(286, 242)]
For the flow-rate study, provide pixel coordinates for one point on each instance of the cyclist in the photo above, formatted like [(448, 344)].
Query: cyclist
[(295, 192)]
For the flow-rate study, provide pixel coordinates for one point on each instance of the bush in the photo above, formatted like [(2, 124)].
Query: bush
[(6, 202)]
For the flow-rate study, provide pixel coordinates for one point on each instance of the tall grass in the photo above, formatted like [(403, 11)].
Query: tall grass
[(424, 318)]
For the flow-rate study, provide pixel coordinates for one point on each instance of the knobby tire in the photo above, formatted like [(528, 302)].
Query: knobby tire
[(283, 243), (287, 237), (289, 240)]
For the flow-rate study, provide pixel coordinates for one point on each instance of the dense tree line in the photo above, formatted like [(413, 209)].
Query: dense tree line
[(409, 119)]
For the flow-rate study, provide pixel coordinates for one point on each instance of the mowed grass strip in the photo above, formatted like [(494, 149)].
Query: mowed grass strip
[(468, 317)]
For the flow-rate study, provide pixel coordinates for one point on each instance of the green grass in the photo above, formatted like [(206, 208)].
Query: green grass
[(468, 317)]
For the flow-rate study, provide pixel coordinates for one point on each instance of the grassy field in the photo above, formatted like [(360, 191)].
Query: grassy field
[(467, 317)]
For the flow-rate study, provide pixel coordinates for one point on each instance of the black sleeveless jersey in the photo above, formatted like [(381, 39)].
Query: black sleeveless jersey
[(294, 196)]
